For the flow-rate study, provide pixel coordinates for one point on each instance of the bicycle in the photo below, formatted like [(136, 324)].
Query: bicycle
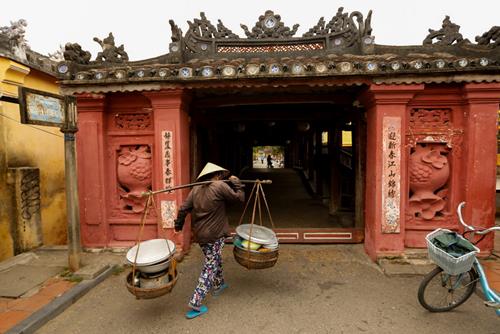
[(444, 289)]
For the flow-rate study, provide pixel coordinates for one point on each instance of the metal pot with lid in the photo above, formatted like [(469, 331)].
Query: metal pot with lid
[(154, 255), (260, 234)]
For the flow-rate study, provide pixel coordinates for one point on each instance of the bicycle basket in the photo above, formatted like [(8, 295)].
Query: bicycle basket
[(450, 264)]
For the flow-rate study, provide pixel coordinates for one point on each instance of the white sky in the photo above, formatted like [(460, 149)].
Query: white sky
[(142, 26)]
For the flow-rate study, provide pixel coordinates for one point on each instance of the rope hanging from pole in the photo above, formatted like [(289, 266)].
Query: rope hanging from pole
[(246, 257)]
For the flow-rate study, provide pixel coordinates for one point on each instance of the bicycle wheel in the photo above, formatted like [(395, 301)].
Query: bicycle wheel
[(441, 292)]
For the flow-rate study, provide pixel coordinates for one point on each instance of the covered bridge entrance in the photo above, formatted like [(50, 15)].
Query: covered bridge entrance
[(367, 142), (314, 140)]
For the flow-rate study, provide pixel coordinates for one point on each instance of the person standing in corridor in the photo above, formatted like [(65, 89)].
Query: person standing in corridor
[(269, 161), (207, 205)]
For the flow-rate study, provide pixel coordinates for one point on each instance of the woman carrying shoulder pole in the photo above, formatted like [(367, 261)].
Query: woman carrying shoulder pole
[(207, 205)]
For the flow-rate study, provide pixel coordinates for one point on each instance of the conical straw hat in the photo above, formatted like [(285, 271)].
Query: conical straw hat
[(211, 168)]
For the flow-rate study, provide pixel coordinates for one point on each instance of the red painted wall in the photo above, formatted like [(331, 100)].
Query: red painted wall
[(170, 114), (468, 132), (468, 127), (383, 101), (481, 112), (91, 166), (107, 125)]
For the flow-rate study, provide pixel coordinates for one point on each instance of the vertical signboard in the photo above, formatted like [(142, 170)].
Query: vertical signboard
[(391, 175), (168, 170)]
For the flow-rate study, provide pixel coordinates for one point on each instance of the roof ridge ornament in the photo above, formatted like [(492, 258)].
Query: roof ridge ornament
[(110, 53), (73, 52), (269, 26), (205, 29), (12, 38), (490, 38), (176, 32), (57, 55), (447, 35), (225, 32), (343, 25)]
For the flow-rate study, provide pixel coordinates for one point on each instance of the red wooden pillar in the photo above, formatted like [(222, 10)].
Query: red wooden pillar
[(90, 163), (482, 104), (171, 159), (386, 165)]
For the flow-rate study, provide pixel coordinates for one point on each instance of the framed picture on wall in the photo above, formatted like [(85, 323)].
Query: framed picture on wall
[(41, 108)]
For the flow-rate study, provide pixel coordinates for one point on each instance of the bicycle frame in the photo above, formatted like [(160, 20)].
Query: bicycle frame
[(489, 294), (491, 297)]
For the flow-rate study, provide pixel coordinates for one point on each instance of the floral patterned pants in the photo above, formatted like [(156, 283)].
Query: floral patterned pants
[(211, 276)]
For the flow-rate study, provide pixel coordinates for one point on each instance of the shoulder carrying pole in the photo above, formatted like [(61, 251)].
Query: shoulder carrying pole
[(144, 194)]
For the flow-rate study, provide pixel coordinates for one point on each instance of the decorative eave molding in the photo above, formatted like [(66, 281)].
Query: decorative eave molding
[(379, 67), (216, 84), (455, 78), (257, 83)]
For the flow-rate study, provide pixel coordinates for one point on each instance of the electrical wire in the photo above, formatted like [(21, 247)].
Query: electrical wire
[(31, 126)]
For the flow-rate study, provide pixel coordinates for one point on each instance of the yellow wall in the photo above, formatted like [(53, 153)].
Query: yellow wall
[(32, 146)]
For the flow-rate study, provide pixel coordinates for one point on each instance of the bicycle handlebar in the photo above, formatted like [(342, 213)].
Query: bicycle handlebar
[(472, 228)]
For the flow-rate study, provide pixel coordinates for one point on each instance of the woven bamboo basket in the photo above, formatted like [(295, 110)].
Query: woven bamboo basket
[(255, 259), (154, 292)]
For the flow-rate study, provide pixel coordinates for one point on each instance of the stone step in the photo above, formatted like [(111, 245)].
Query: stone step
[(416, 253)]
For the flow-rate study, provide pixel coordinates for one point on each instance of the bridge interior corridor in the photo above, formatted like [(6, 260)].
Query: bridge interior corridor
[(292, 204), (316, 150)]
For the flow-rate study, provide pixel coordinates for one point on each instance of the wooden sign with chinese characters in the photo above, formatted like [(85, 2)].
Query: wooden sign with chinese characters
[(41, 108), (391, 175), (168, 170)]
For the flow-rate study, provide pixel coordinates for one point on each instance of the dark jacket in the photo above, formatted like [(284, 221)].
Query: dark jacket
[(207, 205)]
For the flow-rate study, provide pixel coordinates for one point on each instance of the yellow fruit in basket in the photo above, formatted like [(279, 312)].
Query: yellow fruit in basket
[(265, 250), (253, 245)]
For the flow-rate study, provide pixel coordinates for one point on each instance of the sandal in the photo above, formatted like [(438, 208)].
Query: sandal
[(195, 313), (216, 293)]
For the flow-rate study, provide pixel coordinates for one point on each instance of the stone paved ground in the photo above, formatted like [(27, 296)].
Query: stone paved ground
[(13, 311), (28, 274), (312, 289)]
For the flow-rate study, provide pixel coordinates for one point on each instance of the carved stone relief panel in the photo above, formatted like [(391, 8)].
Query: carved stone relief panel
[(432, 140), (141, 120), (430, 119), (30, 193), (434, 125), (27, 228), (429, 173), (134, 176)]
